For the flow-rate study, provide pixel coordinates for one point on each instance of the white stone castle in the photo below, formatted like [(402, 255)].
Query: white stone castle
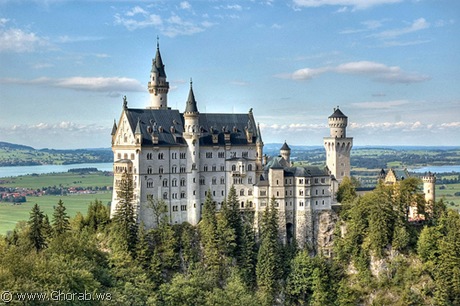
[(180, 157)]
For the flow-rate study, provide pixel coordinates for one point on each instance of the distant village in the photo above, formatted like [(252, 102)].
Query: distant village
[(18, 195)]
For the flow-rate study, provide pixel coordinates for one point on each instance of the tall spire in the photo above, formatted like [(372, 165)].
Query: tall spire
[(158, 86), (158, 62), (259, 135), (191, 102)]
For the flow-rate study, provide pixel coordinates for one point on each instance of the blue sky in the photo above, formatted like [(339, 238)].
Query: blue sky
[(393, 66)]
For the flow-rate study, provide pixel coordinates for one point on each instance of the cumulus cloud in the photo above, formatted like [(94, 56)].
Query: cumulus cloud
[(358, 4), (377, 71), (95, 84), (19, 40)]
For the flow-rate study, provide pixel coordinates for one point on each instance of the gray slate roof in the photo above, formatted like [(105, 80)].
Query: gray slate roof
[(162, 121), (337, 114)]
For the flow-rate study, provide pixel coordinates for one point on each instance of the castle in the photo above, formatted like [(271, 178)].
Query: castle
[(180, 157)]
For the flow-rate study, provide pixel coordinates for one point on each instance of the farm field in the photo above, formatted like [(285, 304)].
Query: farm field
[(10, 214), (96, 184)]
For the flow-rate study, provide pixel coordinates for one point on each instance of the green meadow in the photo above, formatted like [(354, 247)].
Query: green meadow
[(10, 213)]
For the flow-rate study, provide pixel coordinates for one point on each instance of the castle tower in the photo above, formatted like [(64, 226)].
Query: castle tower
[(285, 153), (192, 136), (429, 183), (259, 154), (338, 146), (157, 86)]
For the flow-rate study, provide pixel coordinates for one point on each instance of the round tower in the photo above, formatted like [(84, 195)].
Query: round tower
[(429, 184), (192, 137), (158, 86), (285, 153), (338, 124), (338, 146)]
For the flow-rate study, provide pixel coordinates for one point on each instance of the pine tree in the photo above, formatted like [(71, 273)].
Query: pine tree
[(208, 235), (269, 268), (60, 219), (143, 254), (98, 215), (248, 255), (125, 225), (36, 230)]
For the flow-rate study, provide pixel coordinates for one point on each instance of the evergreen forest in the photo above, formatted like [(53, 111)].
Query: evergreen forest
[(378, 257)]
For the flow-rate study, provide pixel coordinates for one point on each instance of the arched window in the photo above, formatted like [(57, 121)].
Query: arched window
[(174, 182), (233, 167), (149, 170), (165, 196), (242, 192), (160, 170), (250, 167), (165, 183), (149, 183)]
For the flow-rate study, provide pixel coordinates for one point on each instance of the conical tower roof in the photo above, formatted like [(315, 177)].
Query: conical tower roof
[(157, 64), (191, 102)]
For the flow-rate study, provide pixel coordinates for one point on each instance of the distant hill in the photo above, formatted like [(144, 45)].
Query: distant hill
[(21, 155), (12, 146)]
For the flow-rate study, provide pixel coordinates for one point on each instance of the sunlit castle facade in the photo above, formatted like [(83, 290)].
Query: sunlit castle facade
[(181, 156)]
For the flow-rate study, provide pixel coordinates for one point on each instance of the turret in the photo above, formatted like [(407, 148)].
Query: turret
[(259, 153), (429, 184), (158, 86), (114, 130), (338, 123), (192, 137), (285, 152), (138, 133), (338, 146)]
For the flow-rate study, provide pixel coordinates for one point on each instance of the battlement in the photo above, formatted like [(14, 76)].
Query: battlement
[(429, 178)]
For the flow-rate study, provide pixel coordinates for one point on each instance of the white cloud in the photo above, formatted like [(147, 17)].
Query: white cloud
[(136, 10), (377, 71), (185, 5), (172, 26), (358, 4), (417, 25), (95, 84), (18, 40)]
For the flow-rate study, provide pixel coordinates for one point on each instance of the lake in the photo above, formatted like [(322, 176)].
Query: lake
[(42, 169), (437, 169)]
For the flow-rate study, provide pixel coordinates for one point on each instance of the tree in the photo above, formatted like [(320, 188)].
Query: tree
[(269, 268), (208, 235), (125, 224), (159, 209), (98, 215), (36, 229), (60, 219)]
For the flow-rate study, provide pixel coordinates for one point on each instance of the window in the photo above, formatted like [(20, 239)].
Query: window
[(202, 181), (165, 196), (182, 182), (322, 191), (150, 184), (182, 155), (149, 170), (160, 170), (132, 156), (119, 155), (183, 207), (250, 180), (174, 182), (244, 154), (222, 180), (316, 181), (316, 192), (173, 155), (300, 192), (233, 167), (165, 183), (160, 156), (205, 168), (208, 154), (242, 204), (182, 169), (214, 180), (242, 192), (174, 169), (300, 181), (182, 195), (250, 167), (214, 168), (221, 154), (300, 203), (175, 208), (222, 168), (323, 180), (263, 193), (174, 195), (250, 193)]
